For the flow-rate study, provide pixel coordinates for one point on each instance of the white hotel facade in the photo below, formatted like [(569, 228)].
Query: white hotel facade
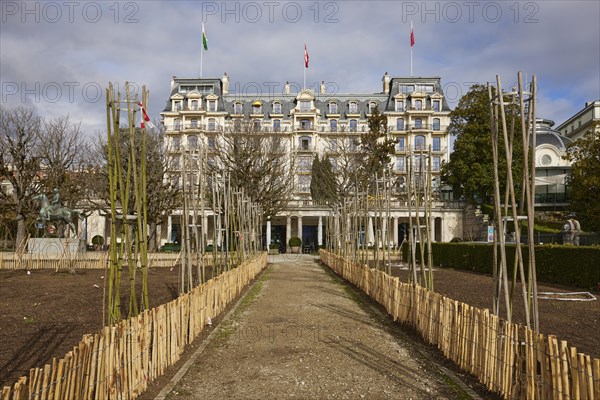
[(200, 110)]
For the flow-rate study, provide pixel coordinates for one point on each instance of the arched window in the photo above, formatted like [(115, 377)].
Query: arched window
[(372, 106), (192, 141), (333, 125), (194, 105), (436, 124), (353, 125), (400, 124), (353, 108), (333, 108), (276, 108), (237, 108), (418, 123), (418, 104)]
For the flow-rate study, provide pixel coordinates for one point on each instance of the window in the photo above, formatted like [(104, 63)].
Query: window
[(194, 123), (305, 124), (436, 145), (400, 144), (353, 108), (304, 183), (177, 125), (178, 106), (399, 105), (276, 108), (277, 125), (418, 104), (353, 125), (176, 143), (304, 164), (333, 125), (436, 124), (418, 123), (304, 106), (407, 88), (212, 124), (372, 106), (212, 142), (424, 88), (333, 108), (256, 108), (194, 105), (304, 143), (420, 142), (400, 124), (435, 105), (400, 163), (192, 141), (435, 163), (212, 105), (400, 185), (237, 108), (256, 125)]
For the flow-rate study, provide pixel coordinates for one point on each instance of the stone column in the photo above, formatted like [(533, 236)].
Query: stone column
[(396, 243), (320, 232), (288, 231), (300, 227), (169, 228)]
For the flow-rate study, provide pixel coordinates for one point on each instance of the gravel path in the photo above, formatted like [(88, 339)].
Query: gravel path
[(301, 334)]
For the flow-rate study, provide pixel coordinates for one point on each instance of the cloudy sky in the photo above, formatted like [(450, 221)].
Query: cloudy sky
[(58, 56)]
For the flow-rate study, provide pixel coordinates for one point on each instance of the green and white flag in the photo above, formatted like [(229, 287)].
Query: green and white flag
[(204, 39)]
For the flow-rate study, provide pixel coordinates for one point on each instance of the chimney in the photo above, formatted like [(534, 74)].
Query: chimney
[(323, 89), (287, 87), (386, 83), (225, 80), (173, 82)]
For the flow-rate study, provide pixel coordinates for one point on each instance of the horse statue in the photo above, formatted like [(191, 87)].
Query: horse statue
[(56, 212)]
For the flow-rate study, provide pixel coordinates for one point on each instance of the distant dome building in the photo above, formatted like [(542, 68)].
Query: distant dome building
[(551, 168)]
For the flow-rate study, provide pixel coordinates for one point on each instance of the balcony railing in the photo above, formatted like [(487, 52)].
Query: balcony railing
[(423, 126)]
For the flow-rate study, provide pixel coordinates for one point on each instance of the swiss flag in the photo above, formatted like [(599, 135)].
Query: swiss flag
[(412, 35), (305, 56)]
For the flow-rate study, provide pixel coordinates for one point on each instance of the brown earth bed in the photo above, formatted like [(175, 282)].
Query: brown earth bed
[(577, 322)]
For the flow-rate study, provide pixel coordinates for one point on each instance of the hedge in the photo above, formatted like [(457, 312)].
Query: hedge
[(577, 266)]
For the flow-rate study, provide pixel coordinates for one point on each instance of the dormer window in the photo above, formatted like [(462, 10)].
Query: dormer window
[(237, 108), (418, 104), (194, 105), (212, 105), (435, 105), (276, 108), (304, 106), (353, 108), (177, 105), (372, 106), (333, 108), (399, 105), (257, 107)]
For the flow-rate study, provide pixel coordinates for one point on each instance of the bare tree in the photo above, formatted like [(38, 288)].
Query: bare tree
[(19, 163), (258, 162), (64, 155)]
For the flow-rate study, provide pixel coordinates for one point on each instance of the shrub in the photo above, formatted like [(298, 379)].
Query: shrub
[(98, 240), (295, 241), (273, 246)]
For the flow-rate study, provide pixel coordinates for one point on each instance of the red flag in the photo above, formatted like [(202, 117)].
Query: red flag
[(305, 56), (144, 118), (412, 35)]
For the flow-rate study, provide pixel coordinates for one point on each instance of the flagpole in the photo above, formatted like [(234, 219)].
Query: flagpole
[(411, 54), (304, 87), (201, 53), (411, 47)]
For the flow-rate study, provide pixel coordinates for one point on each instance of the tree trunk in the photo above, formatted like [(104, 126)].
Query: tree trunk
[(153, 239), (21, 231)]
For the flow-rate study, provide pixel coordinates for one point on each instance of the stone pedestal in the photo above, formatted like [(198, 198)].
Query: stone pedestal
[(53, 247)]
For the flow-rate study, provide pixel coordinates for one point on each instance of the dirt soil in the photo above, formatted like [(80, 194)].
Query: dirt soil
[(577, 322), (45, 314)]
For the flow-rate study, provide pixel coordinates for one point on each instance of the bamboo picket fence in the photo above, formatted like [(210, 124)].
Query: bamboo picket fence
[(120, 361), (510, 359), (84, 260)]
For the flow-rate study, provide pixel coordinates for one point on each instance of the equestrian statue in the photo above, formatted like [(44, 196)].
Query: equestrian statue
[(54, 211)]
